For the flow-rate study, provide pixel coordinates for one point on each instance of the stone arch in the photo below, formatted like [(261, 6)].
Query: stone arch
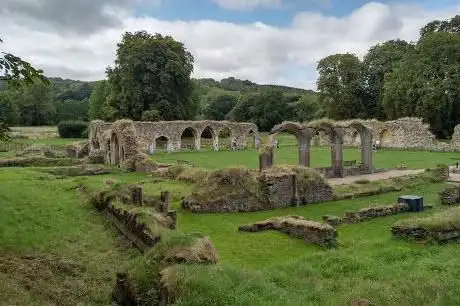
[(208, 133), (336, 145), (365, 135), (298, 131), (158, 142), (386, 138), (189, 131), (254, 134), (115, 149), (225, 133)]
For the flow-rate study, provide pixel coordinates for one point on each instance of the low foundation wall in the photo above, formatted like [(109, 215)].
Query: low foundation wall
[(299, 227), (421, 233), (134, 230), (375, 212)]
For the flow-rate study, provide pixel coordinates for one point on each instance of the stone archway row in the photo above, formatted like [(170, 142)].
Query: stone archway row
[(146, 133), (336, 130)]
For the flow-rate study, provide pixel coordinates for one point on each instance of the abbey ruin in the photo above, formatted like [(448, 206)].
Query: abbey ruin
[(125, 139)]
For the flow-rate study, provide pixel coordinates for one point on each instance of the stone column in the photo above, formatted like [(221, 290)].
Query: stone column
[(304, 148), (366, 150), (337, 153), (266, 158)]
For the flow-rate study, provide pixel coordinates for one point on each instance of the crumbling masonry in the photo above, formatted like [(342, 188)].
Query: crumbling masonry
[(126, 140), (335, 131)]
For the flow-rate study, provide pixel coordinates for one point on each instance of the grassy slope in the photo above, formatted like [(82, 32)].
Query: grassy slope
[(42, 218)]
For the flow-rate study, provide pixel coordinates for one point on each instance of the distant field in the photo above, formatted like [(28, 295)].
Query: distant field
[(35, 132)]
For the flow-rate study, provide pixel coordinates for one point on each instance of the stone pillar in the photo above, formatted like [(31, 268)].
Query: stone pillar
[(304, 148), (266, 158), (257, 142), (366, 150), (137, 194), (164, 198), (172, 214), (337, 153)]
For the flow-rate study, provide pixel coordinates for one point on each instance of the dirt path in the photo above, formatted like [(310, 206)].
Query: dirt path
[(372, 177)]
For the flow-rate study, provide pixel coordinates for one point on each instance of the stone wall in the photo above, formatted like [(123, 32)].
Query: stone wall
[(126, 139), (375, 212), (299, 227), (403, 133), (242, 190)]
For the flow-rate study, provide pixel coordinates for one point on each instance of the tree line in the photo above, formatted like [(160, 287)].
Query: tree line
[(398, 79), (151, 80)]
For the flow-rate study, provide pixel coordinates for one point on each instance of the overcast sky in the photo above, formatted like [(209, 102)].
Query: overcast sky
[(266, 41)]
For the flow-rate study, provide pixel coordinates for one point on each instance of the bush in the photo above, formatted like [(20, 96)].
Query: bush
[(72, 129)]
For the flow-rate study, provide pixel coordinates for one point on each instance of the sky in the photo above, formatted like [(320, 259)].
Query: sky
[(265, 41)]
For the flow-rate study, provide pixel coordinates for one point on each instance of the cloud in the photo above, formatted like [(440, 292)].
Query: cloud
[(247, 4), (80, 16), (258, 52)]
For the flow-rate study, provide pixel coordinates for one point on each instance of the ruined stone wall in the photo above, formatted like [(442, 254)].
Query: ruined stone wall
[(403, 133), (299, 227), (146, 133)]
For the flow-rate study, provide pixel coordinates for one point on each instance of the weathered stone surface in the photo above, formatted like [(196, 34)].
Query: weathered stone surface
[(234, 190), (450, 195), (96, 156), (421, 233), (299, 227), (78, 149), (375, 212), (332, 220), (403, 133)]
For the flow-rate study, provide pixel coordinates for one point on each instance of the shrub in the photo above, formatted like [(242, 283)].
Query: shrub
[(72, 129)]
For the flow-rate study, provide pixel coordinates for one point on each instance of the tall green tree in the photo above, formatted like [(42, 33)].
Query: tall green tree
[(378, 61), (16, 72), (220, 106), (36, 105), (98, 100), (340, 86), (152, 73), (427, 84), (449, 26)]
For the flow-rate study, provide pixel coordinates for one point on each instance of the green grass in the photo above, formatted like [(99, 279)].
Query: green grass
[(269, 268), (45, 218), (320, 157)]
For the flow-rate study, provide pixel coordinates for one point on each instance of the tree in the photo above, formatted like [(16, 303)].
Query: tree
[(340, 86), (36, 105), (450, 26), (380, 60), (220, 105), (307, 108), (16, 71), (97, 100), (152, 72), (427, 84)]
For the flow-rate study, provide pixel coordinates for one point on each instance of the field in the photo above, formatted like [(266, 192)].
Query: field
[(57, 250), (320, 156)]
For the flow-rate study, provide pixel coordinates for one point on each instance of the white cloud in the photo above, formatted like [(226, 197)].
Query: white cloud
[(247, 4), (258, 52)]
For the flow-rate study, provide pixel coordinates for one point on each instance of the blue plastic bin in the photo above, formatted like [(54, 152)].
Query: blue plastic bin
[(415, 202)]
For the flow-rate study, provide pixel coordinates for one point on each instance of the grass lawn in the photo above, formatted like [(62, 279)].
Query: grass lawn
[(55, 249), (271, 268), (320, 157)]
